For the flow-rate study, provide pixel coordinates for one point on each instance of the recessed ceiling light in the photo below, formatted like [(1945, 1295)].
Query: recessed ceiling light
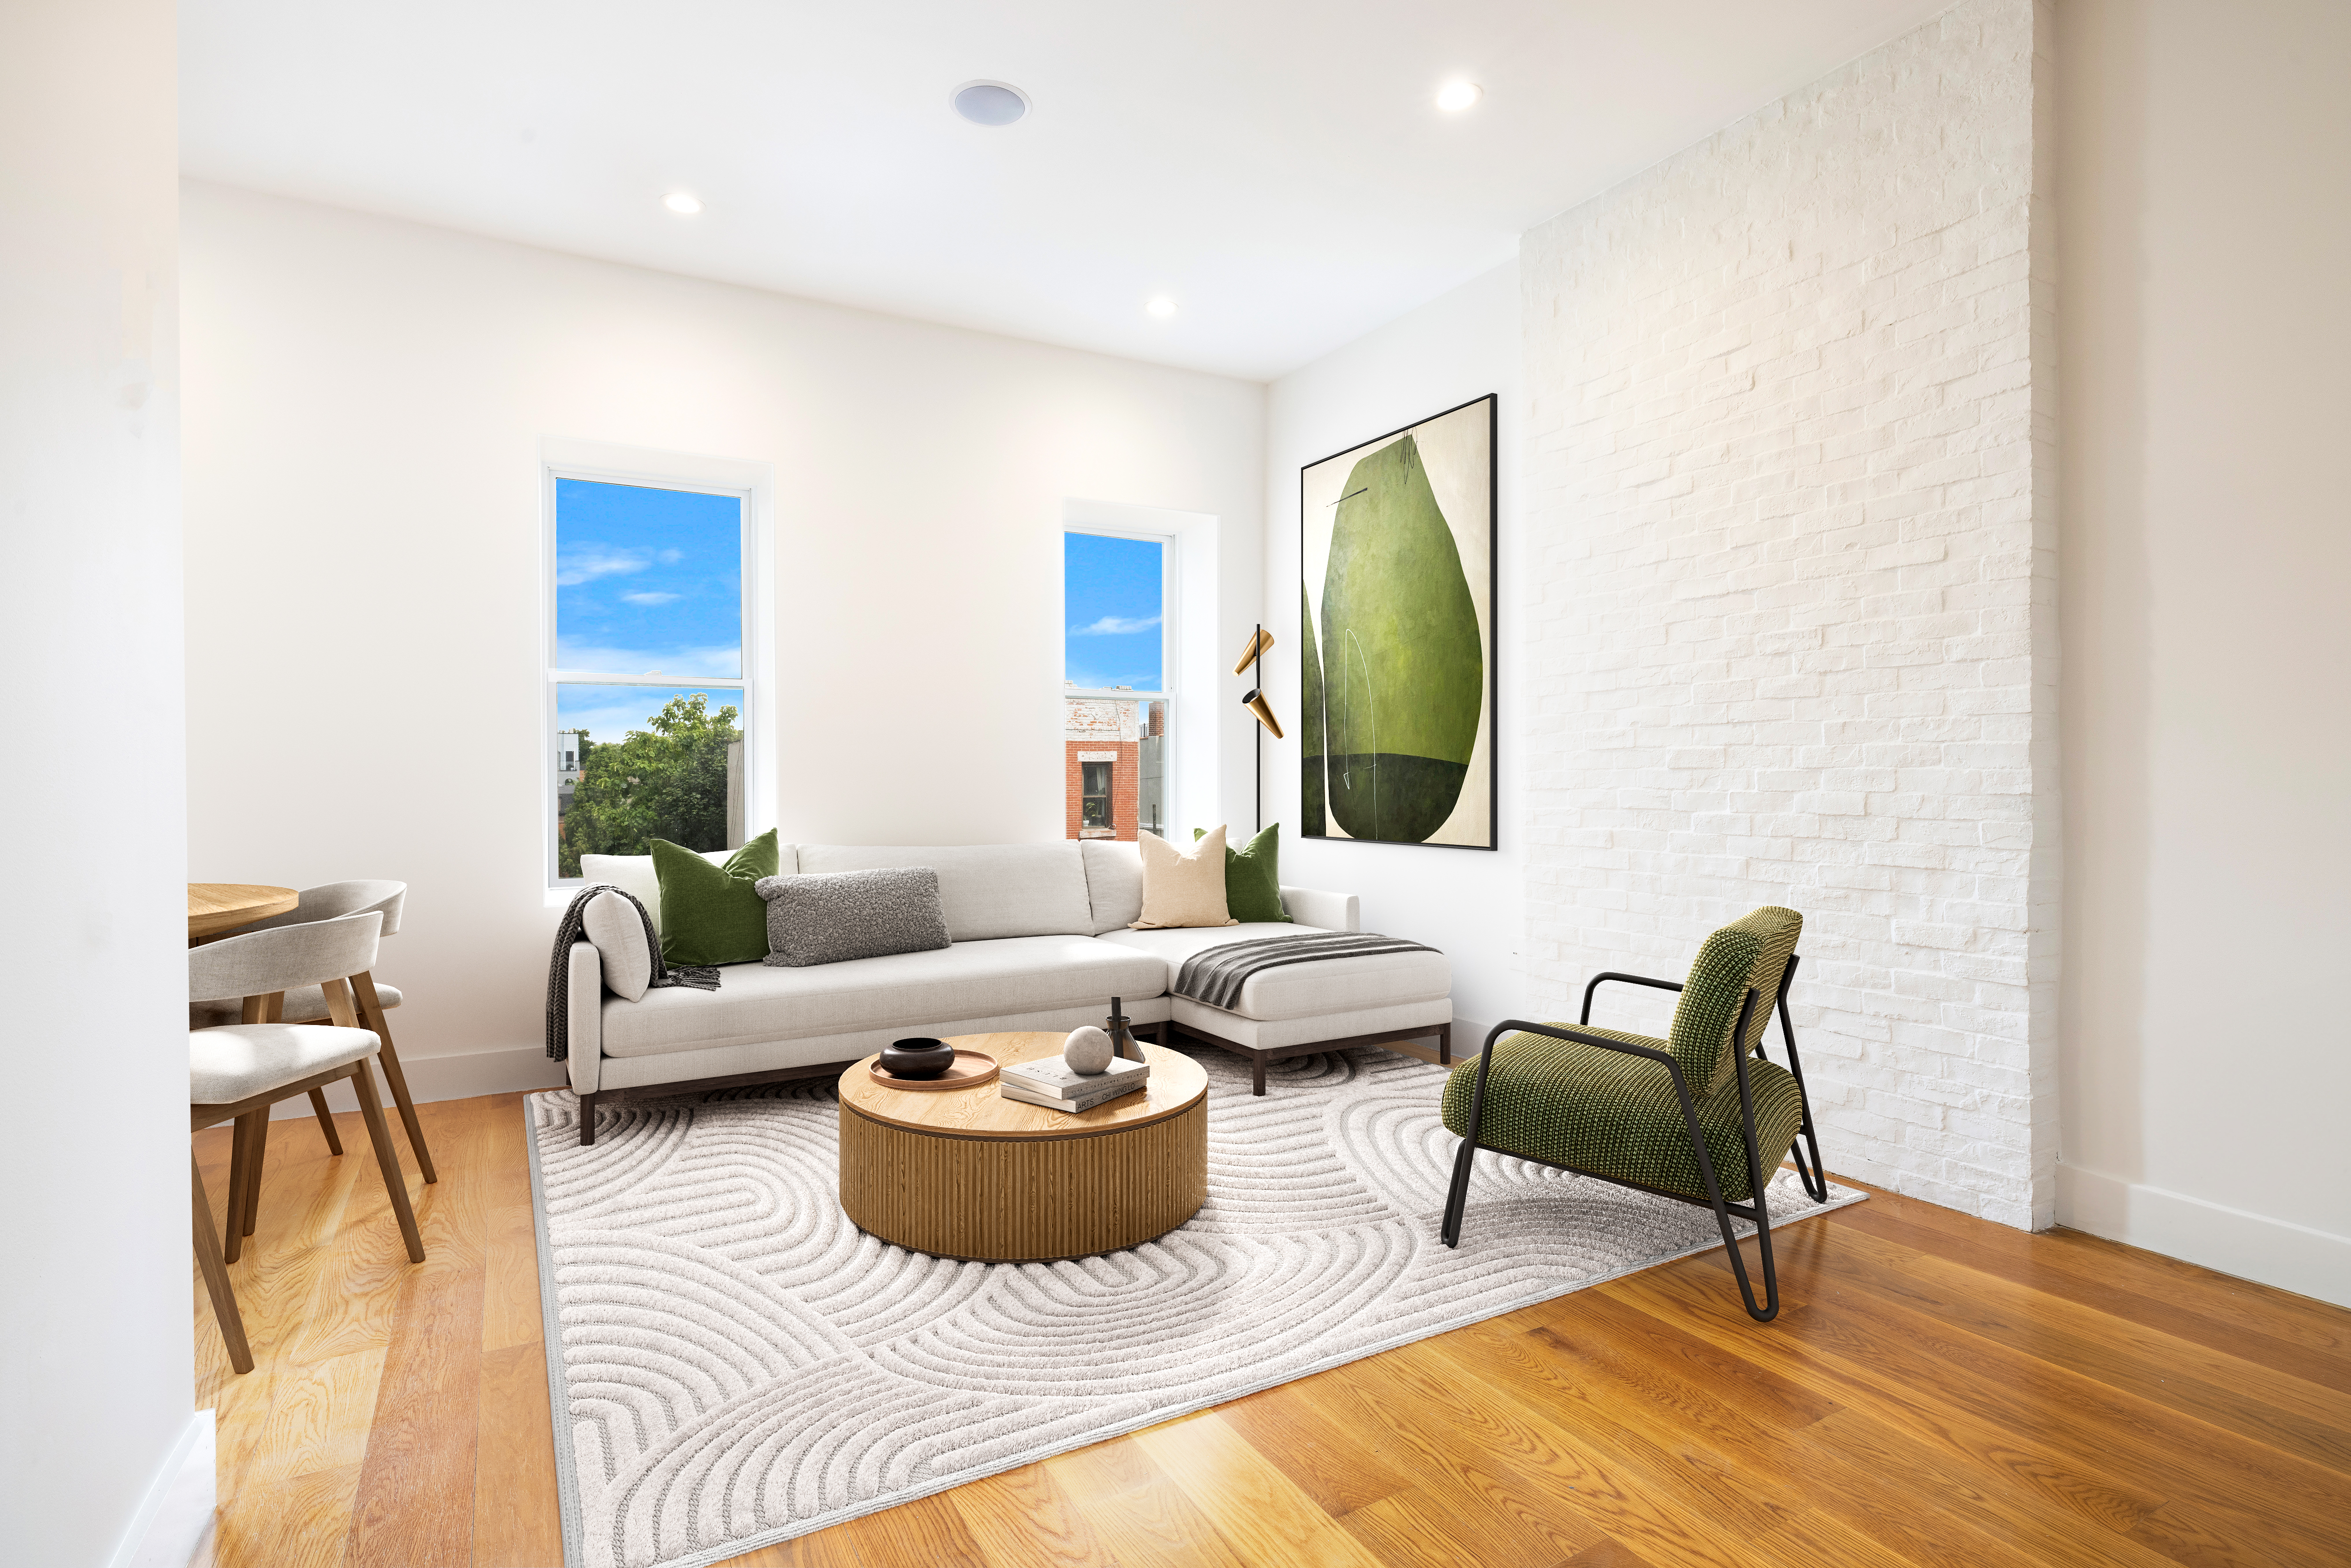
[(1160, 306), (1456, 96), (683, 203), (989, 102)]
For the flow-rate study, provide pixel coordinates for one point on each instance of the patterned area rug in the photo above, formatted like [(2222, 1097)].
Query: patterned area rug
[(740, 1365)]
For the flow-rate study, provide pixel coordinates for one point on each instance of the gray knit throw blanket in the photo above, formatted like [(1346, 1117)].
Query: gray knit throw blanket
[(701, 976), (1216, 976)]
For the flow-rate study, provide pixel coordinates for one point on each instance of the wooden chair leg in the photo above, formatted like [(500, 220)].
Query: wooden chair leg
[(1445, 1045), (326, 1121), (380, 1135), (245, 1177), (216, 1270), (586, 1120), (256, 1157), (240, 1167), (371, 1018), (1257, 1072)]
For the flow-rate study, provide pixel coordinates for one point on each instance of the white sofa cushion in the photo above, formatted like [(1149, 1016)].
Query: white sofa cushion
[(1113, 882), (1299, 990), (634, 874), (908, 991), (989, 891), (611, 923)]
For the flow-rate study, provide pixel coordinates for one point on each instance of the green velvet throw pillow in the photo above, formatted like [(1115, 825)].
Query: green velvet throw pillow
[(712, 913), (1253, 877)]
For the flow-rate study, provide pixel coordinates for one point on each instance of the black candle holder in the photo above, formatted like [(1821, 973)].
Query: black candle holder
[(1122, 1039)]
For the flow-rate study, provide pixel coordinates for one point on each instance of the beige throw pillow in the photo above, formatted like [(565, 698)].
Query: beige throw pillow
[(1185, 886)]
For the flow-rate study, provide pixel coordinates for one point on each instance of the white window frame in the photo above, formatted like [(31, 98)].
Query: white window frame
[(1170, 585), (753, 485)]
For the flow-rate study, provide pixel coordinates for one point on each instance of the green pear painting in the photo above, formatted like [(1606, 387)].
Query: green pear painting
[(1396, 660), (1310, 729)]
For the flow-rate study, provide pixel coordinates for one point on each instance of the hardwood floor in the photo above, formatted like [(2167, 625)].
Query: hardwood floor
[(1937, 1390)]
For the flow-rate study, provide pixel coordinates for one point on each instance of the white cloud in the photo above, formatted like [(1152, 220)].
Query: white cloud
[(651, 596), (681, 662), (1114, 626), (594, 561)]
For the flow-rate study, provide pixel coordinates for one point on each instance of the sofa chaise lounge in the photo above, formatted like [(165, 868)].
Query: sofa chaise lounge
[(1040, 939)]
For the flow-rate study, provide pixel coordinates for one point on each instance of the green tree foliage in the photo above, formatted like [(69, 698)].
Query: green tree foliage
[(667, 782)]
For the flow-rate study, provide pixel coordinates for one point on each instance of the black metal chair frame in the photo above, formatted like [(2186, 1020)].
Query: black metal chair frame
[(1811, 1173)]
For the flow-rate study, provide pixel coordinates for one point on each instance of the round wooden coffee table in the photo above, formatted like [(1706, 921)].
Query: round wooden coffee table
[(969, 1173)]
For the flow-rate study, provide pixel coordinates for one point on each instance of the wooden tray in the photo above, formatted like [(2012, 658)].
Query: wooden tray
[(971, 1068)]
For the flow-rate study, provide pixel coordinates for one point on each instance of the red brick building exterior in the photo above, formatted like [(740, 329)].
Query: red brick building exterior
[(1104, 735), (1125, 763)]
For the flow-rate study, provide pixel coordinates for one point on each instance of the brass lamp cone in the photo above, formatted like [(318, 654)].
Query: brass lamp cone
[(1259, 642), (1255, 702)]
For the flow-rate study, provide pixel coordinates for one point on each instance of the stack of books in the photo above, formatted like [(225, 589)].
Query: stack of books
[(1053, 1084)]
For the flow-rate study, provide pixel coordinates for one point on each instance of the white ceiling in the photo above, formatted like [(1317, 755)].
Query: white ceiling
[(1279, 169)]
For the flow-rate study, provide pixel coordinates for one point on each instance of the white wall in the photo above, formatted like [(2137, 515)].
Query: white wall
[(2206, 154), (1789, 520), (96, 1358), (1467, 902), (365, 402)]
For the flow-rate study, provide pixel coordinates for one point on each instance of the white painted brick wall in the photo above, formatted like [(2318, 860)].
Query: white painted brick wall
[(1790, 591)]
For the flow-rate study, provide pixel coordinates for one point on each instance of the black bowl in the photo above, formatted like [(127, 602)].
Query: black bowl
[(917, 1057)]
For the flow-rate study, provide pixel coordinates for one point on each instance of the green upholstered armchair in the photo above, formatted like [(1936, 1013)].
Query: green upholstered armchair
[(1692, 1116)]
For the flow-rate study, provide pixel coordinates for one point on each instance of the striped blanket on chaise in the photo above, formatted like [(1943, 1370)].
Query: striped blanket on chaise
[(1216, 976)]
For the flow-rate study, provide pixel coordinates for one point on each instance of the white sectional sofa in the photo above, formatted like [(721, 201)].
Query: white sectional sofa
[(1041, 940)]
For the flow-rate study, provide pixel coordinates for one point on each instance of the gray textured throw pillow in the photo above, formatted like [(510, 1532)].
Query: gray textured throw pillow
[(835, 916)]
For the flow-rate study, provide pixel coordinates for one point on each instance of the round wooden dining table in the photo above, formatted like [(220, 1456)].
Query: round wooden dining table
[(217, 908)]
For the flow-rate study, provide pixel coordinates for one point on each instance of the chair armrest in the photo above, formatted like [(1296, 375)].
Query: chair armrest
[(1579, 1037), (586, 994), (1330, 911), (1628, 979)]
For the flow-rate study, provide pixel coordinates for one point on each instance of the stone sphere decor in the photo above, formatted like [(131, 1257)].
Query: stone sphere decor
[(1087, 1049)]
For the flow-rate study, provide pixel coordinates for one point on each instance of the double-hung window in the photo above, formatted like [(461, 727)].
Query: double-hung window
[(648, 688), (1116, 701)]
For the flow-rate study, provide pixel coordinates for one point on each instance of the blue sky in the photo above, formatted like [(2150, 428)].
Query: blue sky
[(645, 581), (608, 713), (1112, 589)]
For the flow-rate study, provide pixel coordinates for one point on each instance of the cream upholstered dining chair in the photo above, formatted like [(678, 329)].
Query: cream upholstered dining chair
[(237, 1072), (307, 1004)]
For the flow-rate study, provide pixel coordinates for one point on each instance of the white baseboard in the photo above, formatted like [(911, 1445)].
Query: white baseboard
[(451, 1078), (2250, 1245), (176, 1514)]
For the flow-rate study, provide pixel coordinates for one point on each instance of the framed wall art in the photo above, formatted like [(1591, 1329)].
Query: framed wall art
[(1396, 632)]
